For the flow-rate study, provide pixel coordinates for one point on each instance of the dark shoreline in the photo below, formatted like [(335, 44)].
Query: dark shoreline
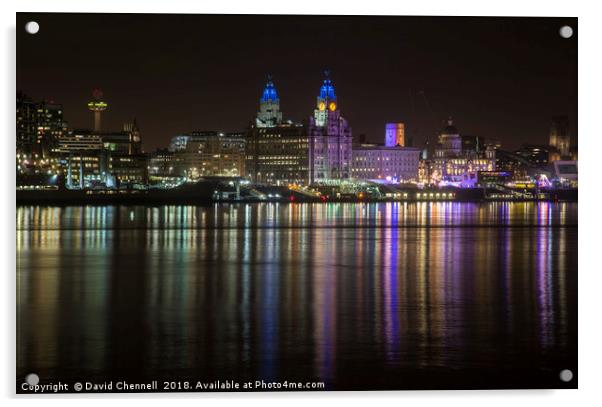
[(63, 198)]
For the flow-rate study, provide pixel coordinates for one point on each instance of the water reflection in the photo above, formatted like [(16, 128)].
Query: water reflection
[(351, 294), (389, 214)]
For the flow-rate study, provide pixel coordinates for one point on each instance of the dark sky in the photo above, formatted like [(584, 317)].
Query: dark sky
[(501, 78)]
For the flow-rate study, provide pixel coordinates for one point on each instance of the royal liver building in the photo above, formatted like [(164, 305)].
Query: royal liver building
[(329, 137)]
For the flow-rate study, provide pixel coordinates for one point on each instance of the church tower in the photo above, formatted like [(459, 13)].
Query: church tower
[(269, 114)]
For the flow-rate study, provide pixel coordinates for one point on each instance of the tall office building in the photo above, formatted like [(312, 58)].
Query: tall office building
[(39, 126), (330, 140), (277, 150)]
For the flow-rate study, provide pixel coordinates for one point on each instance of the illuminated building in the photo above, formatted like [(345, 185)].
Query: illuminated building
[(277, 151), (453, 163), (395, 135), (128, 169), (269, 114), (208, 153), (450, 143), (97, 106), (113, 159), (424, 170), (390, 162), (127, 141), (26, 124), (162, 167), (39, 125), (82, 158), (385, 163), (560, 138), (330, 140), (78, 140)]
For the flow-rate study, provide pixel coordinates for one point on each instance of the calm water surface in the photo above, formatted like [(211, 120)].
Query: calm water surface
[(358, 296)]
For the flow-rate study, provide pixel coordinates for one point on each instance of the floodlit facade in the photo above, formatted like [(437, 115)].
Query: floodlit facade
[(455, 163), (330, 139), (395, 135), (393, 164)]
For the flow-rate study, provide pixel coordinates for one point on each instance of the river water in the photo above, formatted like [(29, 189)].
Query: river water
[(357, 296)]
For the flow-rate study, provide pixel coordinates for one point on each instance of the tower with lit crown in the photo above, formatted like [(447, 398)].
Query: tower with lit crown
[(276, 150), (97, 106), (329, 137), (269, 114)]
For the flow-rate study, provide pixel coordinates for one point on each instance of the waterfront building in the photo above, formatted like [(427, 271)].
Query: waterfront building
[(39, 125), (453, 163), (208, 153), (330, 139), (82, 159), (378, 162), (114, 158), (26, 124), (391, 162), (128, 170), (127, 141), (277, 151), (161, 167)]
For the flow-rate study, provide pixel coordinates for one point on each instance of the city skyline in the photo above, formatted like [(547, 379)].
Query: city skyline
[(370, 93), (251, 201)]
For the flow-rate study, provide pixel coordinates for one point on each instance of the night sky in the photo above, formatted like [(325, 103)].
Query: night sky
[(501, 78)]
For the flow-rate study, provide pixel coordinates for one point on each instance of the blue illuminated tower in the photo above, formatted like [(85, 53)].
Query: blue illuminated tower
[(326, 101), (329, 138), (269, 114)]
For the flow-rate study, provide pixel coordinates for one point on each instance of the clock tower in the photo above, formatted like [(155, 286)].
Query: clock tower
[(326, 102), (329, 138)]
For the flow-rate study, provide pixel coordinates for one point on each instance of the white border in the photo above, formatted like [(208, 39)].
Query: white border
[(590, 225)]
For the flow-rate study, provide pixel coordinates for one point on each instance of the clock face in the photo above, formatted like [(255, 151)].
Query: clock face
[(332, 106), (322, 106)]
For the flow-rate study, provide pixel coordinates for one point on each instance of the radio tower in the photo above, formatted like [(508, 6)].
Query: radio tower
[(97, 106)]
